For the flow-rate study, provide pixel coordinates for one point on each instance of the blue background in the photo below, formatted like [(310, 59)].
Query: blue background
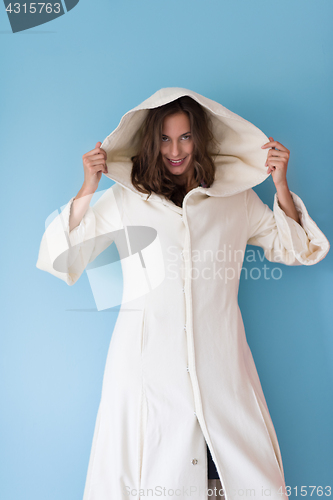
[(65, 86)]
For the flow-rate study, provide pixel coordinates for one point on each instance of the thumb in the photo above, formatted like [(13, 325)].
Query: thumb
[(98, 144)]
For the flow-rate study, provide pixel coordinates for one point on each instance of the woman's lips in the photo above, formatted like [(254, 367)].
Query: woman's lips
[(176, 163)]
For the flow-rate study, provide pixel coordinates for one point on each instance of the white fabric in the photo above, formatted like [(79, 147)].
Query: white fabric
[(179, 371)]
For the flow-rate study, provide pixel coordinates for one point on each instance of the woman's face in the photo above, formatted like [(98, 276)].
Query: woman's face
[(177, 145)]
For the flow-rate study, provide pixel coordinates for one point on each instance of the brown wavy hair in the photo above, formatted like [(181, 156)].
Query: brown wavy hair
[(149, 173)]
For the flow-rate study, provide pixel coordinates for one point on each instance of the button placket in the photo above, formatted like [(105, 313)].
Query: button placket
[(194, 461)]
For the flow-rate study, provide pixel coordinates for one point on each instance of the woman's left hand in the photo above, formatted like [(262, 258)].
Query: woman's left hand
[(277, 161)]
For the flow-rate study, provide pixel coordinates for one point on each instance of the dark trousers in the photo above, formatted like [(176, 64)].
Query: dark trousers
[(212, 472)]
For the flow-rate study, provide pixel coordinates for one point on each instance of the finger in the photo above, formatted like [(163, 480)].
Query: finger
[(277, 152), (94, 156), (94, 162), (267, 144), (98, 168), (98, 156), (272, 168), (104, 153), (275, 163), (279, 146), (96, 150), (98, 146)]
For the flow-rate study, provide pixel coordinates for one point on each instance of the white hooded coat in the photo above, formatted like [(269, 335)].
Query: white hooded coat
[(179, 371)]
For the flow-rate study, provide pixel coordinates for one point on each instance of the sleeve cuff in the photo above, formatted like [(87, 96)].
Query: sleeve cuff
[(307, 242), (65, 254), (83, 233)]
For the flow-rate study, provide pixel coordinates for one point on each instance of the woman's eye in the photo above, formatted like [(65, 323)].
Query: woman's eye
[(184, 137)]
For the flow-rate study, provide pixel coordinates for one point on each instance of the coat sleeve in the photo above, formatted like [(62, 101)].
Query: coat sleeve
[(281, 237), (64, 253)]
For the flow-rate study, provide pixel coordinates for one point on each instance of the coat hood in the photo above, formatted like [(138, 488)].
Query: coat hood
[(240, 163)]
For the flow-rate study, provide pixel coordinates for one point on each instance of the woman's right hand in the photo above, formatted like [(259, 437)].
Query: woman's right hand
[(94, 164)]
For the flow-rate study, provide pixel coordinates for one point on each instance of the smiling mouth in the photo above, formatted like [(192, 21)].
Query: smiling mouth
[(176, 162)]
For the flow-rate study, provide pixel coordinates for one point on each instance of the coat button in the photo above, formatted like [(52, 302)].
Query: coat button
[(185, 328), (194, 461), (183, 289), (187, 368)]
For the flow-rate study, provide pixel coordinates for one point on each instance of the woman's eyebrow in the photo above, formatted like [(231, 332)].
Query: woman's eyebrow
[(180, 134)]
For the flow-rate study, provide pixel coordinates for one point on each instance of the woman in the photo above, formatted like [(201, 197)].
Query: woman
[(180, 380)]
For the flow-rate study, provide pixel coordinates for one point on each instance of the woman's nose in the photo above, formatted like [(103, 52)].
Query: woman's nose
[(175, 149)]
